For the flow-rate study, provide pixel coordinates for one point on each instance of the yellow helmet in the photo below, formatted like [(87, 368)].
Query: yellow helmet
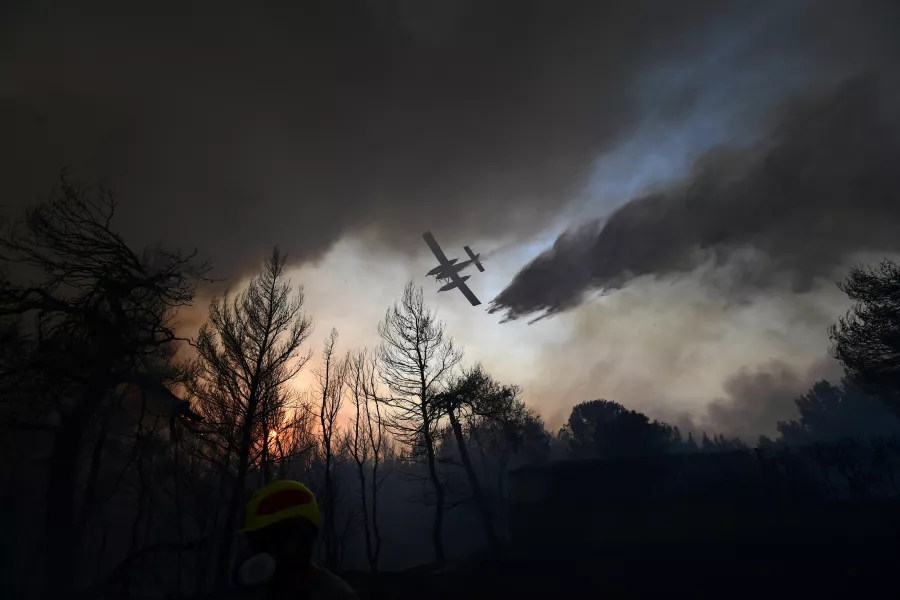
[(278, 501)]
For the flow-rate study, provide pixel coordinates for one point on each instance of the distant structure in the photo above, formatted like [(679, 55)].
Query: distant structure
[(448, 270)]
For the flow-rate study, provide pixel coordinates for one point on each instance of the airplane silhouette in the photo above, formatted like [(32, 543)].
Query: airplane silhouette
[(448, 270)]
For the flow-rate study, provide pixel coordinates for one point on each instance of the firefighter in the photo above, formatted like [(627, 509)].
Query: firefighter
[(281, 522)]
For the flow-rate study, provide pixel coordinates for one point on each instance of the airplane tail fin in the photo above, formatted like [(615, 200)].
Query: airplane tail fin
[(474, 258)]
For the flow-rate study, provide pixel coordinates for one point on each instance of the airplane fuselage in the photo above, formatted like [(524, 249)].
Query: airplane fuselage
[(442, 268), (444, 271)]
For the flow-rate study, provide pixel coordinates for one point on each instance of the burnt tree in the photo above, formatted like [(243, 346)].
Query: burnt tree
[(415, 357), (91, 315), (250, 346)]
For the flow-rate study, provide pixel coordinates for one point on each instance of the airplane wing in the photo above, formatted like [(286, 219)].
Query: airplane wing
[(432, 243), (461, 285)]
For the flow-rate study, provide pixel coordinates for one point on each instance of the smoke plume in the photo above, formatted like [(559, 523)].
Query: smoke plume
[(823, 185)]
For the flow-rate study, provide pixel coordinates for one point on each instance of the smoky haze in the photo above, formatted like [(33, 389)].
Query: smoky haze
[(823, 185), (230, 126)]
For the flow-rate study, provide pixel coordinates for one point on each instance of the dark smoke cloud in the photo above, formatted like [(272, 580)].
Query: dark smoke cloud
[(245, 124), (232, 126), (757, 399), (824, 184)]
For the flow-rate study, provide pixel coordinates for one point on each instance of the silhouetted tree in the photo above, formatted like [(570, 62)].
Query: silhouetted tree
[(690, 445), (475, 393), (331, 376), (367, 447), (516, 432), (415, 357), (92, 315), (284, 432), (867, 339), (829, 412), (606, 429), (294, 439), (382, 449), (719, 443), (248, 346)]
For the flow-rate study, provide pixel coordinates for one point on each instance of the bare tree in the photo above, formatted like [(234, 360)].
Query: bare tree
[(249, 348), (295, 438), (367, 448), (90, 317), (380, 446), (285, 432), (342, 448), (415, 357), (272, 412), (359, 442), (330, 377)]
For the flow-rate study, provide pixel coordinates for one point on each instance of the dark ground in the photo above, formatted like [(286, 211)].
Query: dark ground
[(777, 562), (780, 569)]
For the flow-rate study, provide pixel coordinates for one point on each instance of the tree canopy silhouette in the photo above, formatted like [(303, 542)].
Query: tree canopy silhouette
[(87, 315), (476, 395), (830, 412), (606, 429), (867, 339)]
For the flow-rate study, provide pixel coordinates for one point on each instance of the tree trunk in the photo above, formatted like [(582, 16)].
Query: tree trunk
[(63, 532), (234, 504), (484, 510), (437, 530), (264, 459), (61, 535), (376, 459), (330, 522), (90, 491), (179, 558), (376, 532), (207, 562), (364, 505)]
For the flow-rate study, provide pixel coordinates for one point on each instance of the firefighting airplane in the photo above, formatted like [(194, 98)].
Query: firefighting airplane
[(449, 269)]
